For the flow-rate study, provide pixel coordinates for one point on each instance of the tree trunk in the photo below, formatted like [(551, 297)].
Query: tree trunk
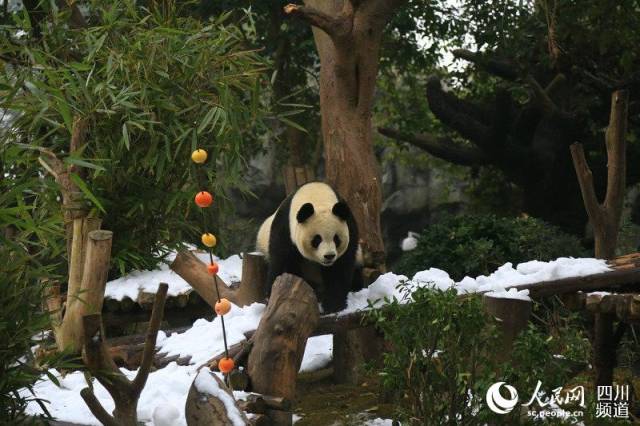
[(348, 34), (605, 217)]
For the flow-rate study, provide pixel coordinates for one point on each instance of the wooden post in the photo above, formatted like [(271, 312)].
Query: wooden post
[(88, 298), (604, 349), (513, 315), (96, 357), (605, 217), (351, 349), (253, 287), (278, 344)]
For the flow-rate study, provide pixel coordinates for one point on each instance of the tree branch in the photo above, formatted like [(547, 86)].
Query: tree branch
[(459, 115), (96, 408), (444, 148), (498, 67), (585, 179), (150, 341), (334, 26), (616, 152)]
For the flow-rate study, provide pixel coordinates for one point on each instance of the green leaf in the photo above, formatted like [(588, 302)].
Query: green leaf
[(293, 124), (125, 136), (83, 163), (87, 192)]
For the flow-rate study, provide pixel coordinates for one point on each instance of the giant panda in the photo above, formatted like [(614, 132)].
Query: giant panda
[(313, 235)]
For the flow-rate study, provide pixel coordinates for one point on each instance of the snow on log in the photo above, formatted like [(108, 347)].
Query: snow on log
[(210, 402)]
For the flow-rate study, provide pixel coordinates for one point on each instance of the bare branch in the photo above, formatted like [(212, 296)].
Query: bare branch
[(96, 408), (616, 152), (150, 341), (498, 67), (334, 26), (459, 115), (442, 147), (585, 179)]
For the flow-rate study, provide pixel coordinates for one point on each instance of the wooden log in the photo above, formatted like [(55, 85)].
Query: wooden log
[(90, 296), (279, 342), (204, 408), (253, 287), (513, 316), (607, 281), (194, 271)]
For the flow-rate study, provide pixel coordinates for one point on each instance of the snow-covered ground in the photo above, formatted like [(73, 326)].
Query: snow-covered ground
[(163, 398)]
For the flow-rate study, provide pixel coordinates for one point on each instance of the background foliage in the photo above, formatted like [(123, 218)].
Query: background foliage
[(478, 244), (152, 85)]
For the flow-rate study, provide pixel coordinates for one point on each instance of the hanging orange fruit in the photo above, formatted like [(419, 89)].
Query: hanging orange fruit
[(199, 156), (203, 199), (212, 269), (222, 307), (209, 240), (225, 365)]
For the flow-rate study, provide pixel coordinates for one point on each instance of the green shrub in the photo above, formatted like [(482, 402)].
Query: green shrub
[(438, 355), (29, 241), (478, 245), (444, 356), (151, 85)]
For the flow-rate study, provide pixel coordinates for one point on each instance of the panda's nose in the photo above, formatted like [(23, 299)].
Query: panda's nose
[(330, 256)]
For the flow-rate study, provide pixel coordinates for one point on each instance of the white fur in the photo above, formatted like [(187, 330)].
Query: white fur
[(323, 222), (262, 241)]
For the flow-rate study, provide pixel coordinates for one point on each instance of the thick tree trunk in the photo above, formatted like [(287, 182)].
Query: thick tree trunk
[(348, 34)]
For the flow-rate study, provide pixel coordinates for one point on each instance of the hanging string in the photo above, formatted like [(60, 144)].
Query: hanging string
[(201, 181)]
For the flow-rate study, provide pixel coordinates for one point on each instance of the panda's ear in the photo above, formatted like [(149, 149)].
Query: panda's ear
[(341, 210), (305, 212)]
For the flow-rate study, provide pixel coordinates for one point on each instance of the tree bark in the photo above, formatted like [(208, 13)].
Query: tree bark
[(513, 316), (279, 342), (203, 409), (348, 35), (98, 361), (605, 217)]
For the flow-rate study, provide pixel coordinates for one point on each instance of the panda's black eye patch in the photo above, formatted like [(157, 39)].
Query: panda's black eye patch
[(337, 240), (315, 242)]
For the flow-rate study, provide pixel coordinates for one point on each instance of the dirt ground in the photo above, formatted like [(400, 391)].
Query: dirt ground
[(323, 403)]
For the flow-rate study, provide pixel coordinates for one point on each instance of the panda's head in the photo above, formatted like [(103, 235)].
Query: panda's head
[(322, 234)]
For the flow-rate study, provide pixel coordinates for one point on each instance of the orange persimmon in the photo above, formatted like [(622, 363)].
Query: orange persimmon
[(225, 365), (203, 199)]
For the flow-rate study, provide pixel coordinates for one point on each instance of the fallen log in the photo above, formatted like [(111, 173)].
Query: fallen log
[(609, 280), (252, 288)]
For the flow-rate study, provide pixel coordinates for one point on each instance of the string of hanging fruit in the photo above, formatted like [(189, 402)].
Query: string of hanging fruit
[(204, 200)]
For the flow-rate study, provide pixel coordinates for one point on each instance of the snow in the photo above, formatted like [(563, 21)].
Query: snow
[(206, 383), (163, 399), (379, 422), (318, 353), (147, 281)]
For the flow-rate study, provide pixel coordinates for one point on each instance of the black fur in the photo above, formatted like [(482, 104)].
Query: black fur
[(337, 279), (305, 212)]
